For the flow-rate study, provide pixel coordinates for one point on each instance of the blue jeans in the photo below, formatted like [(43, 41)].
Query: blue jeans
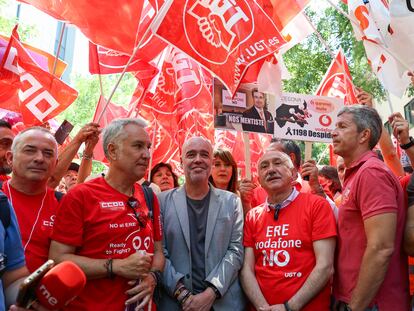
[(341, 306)]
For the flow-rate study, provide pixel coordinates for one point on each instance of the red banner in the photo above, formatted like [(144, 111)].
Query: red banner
[(28, 89), (226, 37), (338, 81)]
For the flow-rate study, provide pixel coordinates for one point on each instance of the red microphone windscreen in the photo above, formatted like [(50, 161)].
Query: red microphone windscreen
[(60, 285)]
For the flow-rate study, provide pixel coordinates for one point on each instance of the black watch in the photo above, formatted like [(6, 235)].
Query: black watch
[(287, 307), (408, 145), (347, 308)]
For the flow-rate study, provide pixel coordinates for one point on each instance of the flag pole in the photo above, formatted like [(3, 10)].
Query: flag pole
[(247, 160), (123, 72), (101, 85), (325, 44), (389, 101), (353, 21), (62, 31), (152, 147)]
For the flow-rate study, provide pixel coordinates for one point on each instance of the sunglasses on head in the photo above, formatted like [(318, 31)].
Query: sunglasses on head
[(134, 204)]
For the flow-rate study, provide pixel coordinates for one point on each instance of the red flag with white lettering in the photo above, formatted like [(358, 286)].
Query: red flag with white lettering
[(27, 88), (225, 37), (112, 112), (338, 81)]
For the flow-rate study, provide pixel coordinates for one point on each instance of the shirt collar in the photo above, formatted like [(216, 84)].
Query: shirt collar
[(293, 195), (259, 110), (358, 163)]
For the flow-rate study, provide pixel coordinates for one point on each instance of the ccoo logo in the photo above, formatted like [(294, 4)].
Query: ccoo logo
[(215, 28)]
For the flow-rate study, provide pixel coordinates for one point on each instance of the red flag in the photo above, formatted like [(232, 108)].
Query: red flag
[(112, 112), (28, 89), (283, 11), (113, 24), (338, 81), (233, 141), (45, 60), (226, 37)]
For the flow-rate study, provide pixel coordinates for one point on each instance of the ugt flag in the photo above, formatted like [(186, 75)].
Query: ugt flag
[(225, 36)]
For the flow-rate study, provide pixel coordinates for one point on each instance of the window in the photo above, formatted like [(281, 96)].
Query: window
[(409, 112)]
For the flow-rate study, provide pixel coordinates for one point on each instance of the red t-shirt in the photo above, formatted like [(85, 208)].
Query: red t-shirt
[(35, 215), (283, 249), (95, 218), (370, 189)]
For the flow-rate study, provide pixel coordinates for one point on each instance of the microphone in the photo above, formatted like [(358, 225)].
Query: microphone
[(60, 285)]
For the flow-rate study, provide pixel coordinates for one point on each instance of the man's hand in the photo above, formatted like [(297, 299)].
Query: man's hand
[(141, 292), (86, 131), (246, 188), (90, 144), (135, 266), (310, 169), (273, 308), (200, 302), (364, 98), (400, 128)]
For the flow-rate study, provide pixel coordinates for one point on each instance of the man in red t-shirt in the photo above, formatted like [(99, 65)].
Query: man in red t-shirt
[(33, 157), (371, 268), (106, 227), (289, 243), (6, 139)]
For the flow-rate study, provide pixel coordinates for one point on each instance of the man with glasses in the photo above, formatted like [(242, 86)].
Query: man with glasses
[(289, 243), (203, 229), (106, 227)]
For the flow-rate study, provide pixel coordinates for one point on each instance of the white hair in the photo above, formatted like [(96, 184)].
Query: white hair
[(17, 139)]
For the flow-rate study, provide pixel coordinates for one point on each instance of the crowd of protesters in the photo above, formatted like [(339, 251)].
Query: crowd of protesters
[(298, 238)]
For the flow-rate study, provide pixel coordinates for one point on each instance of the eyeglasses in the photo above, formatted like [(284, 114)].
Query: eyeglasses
[(141, 218)]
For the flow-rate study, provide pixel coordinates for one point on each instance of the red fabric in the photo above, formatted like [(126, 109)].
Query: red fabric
[(4, 178), (27, 207), (98, 231), (113, 24), (234, 142), (307, 219), (180, 107), (45, 60), (28, 89), (338, 81), (224, 39), (283, 11), (104, 61), (112, 112), (361, 199)]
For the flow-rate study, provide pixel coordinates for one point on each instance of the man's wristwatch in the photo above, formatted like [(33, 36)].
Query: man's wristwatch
[(408, 145), (215, 290)]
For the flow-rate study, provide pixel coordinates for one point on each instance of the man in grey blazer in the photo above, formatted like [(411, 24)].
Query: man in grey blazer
[(203, 228)]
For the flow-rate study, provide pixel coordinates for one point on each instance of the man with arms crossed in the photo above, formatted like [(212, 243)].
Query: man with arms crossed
[(289, 243), (203, 229), (370, 268), (105, 226)]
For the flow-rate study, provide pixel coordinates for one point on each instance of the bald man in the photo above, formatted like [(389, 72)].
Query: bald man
[(203, 229)]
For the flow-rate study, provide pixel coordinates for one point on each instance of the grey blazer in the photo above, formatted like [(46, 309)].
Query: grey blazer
[(223, 247)]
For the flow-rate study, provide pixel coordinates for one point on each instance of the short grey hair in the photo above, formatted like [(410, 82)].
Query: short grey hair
[(365, 118), (113, 133), (17, 139)]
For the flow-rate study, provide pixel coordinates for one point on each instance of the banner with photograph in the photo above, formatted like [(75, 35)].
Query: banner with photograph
[(248, 111), (306, 117)]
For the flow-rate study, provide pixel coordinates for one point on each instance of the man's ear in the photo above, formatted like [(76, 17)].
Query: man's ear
[(365, 136), (9, 157), (294, 174), (112, 151)]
